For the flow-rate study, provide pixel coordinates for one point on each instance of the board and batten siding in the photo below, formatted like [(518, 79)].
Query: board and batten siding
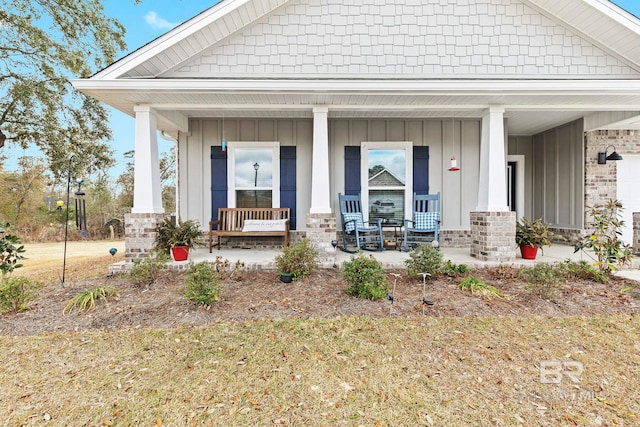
[(523, 145), (194, 158), (445, 137), (558, 175)]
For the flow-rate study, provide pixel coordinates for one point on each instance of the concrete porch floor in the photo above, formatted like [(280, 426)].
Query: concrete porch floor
[(264, 258)]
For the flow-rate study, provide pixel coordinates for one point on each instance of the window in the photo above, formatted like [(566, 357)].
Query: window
[(254, 174), (386, 187)]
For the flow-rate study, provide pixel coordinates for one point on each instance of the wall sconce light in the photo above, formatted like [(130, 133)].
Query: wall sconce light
[(602, 157)]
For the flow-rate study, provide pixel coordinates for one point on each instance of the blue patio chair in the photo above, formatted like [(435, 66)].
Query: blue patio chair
[(366, 234), (424, 227)]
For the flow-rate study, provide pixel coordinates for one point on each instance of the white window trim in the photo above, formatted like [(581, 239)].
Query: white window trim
[(407, 146), (232, 146)]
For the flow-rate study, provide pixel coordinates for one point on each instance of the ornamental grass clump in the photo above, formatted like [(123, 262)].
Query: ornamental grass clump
[(479, 287), (86, 300)]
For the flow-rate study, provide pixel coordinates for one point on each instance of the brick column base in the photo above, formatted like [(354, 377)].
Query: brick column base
[(140, 234), (636, 232), (321, 230), (493, 236)]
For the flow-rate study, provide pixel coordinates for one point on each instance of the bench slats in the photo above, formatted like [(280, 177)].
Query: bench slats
[(231, 222)]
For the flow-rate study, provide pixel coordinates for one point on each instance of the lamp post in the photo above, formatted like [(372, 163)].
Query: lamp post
[(256, 166)]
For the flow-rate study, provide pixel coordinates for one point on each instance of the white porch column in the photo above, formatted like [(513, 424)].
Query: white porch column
[(493, 226), (492, 191), (320, 198), (147, 193)]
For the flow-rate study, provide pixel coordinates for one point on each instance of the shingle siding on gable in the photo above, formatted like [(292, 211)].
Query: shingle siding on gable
[(429, 38)]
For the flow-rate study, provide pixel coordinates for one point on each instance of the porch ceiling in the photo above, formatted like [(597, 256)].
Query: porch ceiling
[(531, 106)]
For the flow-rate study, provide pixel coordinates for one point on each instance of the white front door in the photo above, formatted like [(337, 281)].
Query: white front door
[(628, 192)]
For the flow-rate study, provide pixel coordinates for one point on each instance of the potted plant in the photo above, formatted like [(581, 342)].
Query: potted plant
[(296, 261), (531, 235), (176, 238)]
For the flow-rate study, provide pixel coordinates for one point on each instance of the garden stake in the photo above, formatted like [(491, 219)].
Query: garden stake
[(390, 296), (334, 243), (425, 301)]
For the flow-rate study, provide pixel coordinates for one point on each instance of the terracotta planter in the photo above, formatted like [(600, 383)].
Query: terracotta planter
[(528, 251), (180, 253)]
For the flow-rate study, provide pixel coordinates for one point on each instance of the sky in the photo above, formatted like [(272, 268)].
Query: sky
[(152, 18)]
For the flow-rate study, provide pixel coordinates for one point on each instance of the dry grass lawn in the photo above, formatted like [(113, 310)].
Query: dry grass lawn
[(345, 371), (351, 371)]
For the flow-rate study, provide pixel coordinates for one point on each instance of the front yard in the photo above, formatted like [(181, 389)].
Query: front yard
[(306, 353)]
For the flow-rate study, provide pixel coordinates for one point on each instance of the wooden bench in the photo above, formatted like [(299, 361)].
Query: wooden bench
[(231, 222)]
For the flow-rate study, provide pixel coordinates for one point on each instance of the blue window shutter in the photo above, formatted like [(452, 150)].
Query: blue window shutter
[(352, 170), (421, 170), (288, 181), (218, 180)]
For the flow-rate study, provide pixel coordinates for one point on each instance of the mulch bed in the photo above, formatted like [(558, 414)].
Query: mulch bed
[(259, 295)]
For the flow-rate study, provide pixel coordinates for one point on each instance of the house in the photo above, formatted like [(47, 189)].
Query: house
[(301, 95)]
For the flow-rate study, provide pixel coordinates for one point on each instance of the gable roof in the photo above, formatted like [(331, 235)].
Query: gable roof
[(189, 38), (158, 73), (600, 22)]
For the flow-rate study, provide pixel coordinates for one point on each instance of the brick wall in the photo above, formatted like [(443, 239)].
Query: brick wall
[(321, 230), (455, 238), (406, 37), (601, 180), (140, 234)]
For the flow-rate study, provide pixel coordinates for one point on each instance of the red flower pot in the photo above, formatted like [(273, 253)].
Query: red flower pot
[(528, 251), (180, 253)]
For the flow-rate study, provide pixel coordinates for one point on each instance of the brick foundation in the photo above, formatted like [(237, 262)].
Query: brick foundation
[(566, 236), (455, 238), (321, 230), (493, 236), (140, 234)]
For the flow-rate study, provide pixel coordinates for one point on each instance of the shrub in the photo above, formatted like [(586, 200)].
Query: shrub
[(298, 259), (452, 269), (147, 271), (202, 283), (580, 270), (16, 293), (543, 280), (10, 250), (424, 259), (365, 277), (86, 300), (479, 287), (609, 251)]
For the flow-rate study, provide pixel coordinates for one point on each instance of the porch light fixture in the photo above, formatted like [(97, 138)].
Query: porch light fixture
[(602, 157)]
